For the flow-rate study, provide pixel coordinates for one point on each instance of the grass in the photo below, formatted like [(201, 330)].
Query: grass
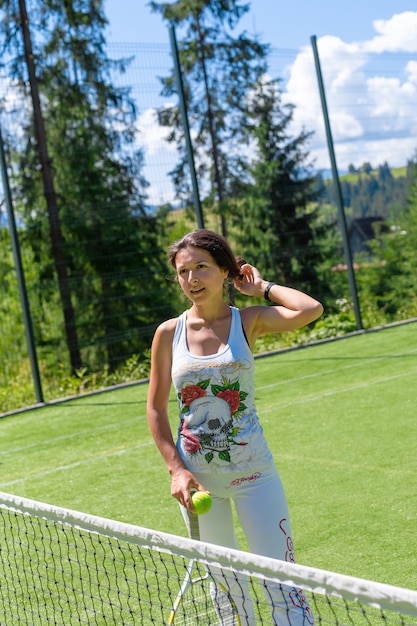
[(340, 420)]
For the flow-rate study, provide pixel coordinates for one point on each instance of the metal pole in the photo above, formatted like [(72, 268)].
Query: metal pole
[(336, 182), (184, 116), (20, 277)]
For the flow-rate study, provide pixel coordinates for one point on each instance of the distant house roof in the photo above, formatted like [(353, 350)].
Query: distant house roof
[(364, 229)]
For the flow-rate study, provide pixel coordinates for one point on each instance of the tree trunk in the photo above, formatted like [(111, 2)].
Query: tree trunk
[(57, 239)]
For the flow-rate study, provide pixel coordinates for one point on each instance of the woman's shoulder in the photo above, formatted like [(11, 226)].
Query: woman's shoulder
[(163, 337), (168, 326), (250, 313)]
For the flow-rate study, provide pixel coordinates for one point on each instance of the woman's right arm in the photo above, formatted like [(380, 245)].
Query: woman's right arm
[(157, 411)]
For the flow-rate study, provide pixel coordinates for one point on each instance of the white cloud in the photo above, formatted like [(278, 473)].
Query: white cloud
[(391, 103), (371, 104), (153, 136), (396, 34), (411, 71), (14, 106), (160, 157), (347, 125)]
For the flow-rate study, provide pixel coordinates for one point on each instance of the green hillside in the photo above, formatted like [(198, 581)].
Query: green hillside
[(369, 192), (353, 177)]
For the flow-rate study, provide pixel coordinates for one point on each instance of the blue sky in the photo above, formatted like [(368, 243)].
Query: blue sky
[(368, 55), (281, 24)]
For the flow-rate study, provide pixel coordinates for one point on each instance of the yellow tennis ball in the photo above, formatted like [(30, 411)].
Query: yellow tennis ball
[(201, 501)]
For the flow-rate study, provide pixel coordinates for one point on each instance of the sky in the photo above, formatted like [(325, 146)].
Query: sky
[(368, 57), (283, 25)]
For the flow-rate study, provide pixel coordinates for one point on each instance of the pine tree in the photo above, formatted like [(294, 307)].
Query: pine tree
[(110, 240), (279, 224), (218, 70), (391, 283)]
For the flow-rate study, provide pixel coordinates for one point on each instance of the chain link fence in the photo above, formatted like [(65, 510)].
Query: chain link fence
[(146, 64)]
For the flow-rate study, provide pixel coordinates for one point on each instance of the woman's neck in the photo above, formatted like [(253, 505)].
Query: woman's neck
[(210, 313)]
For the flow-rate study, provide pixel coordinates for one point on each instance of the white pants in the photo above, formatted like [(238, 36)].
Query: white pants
[(262, 510)]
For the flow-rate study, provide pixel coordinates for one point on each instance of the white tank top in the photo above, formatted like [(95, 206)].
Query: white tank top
[(219, 428)]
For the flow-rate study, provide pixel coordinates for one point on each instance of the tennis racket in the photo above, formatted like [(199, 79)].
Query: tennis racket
[(202, 600)]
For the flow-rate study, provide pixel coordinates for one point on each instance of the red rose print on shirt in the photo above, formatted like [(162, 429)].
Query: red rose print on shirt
[(231, 393), (232, 398), (190, 393)]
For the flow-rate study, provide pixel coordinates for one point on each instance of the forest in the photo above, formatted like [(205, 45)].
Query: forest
[(367, 191), (93, 254)]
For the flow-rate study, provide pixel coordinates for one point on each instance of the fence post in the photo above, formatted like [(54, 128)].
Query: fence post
[(336, 182), (184, 116), (20, 277)]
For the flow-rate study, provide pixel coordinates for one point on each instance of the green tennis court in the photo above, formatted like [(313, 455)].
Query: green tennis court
[(340, 418)]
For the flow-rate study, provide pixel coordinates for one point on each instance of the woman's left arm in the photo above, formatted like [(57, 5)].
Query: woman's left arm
[(291, 309)]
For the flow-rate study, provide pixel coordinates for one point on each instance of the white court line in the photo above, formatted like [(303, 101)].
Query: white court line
[(363, 465), (377, 381), (331, 371), (62, 468), (259, 387), (334, 392), (263, 411), (77, 433)]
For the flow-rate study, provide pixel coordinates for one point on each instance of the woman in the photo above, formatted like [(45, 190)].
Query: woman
[(207, 354)]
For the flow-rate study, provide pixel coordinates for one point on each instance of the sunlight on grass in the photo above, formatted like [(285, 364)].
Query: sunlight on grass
[(340, 420)]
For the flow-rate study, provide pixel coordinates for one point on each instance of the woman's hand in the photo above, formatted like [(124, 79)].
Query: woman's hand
[(250, 282), (182, 484)]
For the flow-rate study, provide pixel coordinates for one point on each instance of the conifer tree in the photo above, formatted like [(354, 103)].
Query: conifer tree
[(218, 70), (278, 223), (110, 240), (391, 281)]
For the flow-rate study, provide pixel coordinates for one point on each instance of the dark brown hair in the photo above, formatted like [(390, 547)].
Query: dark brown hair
[(213, 243)]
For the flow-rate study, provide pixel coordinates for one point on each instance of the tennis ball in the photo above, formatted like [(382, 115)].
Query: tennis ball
[(201, 501)]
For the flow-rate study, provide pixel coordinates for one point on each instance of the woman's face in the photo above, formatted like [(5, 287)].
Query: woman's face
[(198, 274)]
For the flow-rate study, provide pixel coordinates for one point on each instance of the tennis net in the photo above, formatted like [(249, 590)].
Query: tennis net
[(64, 567)]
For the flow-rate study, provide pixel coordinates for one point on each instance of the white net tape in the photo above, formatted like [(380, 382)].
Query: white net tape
[(64, 567)]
